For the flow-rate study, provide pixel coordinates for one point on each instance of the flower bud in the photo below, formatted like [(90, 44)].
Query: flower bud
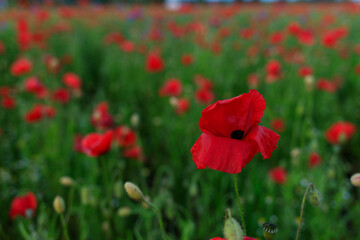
[(124, 212), (232, 229), (314, 198), (59, 204), (66, 181), (134, 191), (135, 119), (309, 83), (269, 231), (355, 180)]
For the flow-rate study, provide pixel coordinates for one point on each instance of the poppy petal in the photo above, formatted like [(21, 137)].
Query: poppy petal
[(238, 113), (265, 138), (223, 154)]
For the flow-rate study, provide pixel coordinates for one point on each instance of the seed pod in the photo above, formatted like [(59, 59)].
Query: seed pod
[(355, 180), (314, 198), (269, 231), (66, 181), (134, 191)]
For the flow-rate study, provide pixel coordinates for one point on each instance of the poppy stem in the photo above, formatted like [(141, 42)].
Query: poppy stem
[(158, 213), (243, 225), (66, 234), (310, 186)]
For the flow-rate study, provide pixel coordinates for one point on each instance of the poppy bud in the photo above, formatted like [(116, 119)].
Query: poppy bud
[(135, 119), (124, 212), (66, 181), (59, 204), (355, 180), (134, 191), (232, 229), (269, 231), (309, 83), (314, 198)]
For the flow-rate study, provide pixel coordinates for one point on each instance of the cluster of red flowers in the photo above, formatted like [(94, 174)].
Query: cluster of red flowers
[(96, 144), (204, 94)]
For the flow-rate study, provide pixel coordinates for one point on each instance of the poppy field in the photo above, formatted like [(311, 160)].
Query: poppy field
[(209, 122)]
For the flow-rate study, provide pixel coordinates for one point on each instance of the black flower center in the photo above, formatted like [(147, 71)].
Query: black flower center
[(237, 134)]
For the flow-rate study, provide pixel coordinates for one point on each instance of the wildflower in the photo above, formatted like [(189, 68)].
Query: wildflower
[(95, 144), (134, 191), (314, 159), (72, 81), (59, 204), (340, 132), (278, 124), (24, 206), (172, 87), (124, 136), (278, 175), (231, 135), (21, 67), (154, 63)]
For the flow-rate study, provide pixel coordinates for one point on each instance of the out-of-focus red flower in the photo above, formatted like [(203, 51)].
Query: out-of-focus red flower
[(273, 68), (95, 144), (314, 159), (154, 63), (114, 37), (72, 81), (24, 206), (62, 95), (38, 112), (278, 124), (294, 28), (231, 135), (276, 38), (172, 87), (305, 37), (327, 86), (23, 34), (134, 152), (340, 132), (305, 71), (278, 175), (77, 145), (21, 66), (245, 238), (100, 117), (8, 102), (5, 91), (247, 33), (204, 96), (187, 59), (182, 106), (253, 80), (330, 38), (2, 48), (128, 46), (357, 69), (202, 82), (33, 85), (125, 136)]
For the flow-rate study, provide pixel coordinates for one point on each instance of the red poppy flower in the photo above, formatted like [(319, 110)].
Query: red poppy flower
[(100, 117), (20, 67), (38, 112), (8, 103), (62, 95), (24, 206), (172, 87), (231, 134), (305, 37), (154, 63), (278, 124), (327, 86), (340, 132), (203, 83), (278, 175), (273, 69), (187, 59), (128, 46), (204, 96), (294, 28), (5, 91), (72, 81), (305, 71), (253, 80), (314, 159), (134, 152), (95, 144), (77, 145), (124, 136), (182, 106), (276, 38)]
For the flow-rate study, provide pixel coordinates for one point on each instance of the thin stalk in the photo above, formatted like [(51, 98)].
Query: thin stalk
[(310, 186), (243, 225), (158, 213), (70, 201), (65, 230)]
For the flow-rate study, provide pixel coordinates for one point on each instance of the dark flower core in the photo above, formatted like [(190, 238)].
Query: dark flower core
[(237, 134)]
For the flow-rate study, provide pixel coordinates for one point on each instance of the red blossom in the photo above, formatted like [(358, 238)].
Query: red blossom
[(182, 106), (20, 67), (187, 59), (72, 81), (314, 159), (340, 132), (24, 206), (305, 71), (125, 136), (38, 112), (278, 175), (231, 135), (8, 102), (278, 124), (134, 152), (154, 63), (327, 86), (204, 96), (100, 117), (95, 144), (172, 87), (62, 95)]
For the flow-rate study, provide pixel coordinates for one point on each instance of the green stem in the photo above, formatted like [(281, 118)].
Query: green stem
[(302, 209), (66, 234), (70, 201), (243, 225), (158, 213)]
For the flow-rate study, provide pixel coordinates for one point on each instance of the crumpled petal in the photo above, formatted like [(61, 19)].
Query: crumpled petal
[(223, 154), (238, 113), (265, 138)]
